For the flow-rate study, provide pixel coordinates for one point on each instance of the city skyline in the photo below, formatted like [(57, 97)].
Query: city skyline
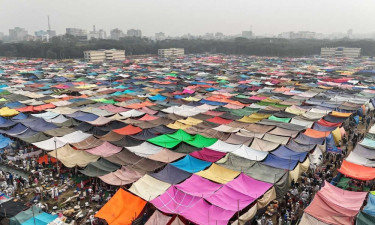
[(227, 17)]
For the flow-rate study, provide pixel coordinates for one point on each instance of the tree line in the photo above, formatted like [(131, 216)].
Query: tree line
[(65, 47)]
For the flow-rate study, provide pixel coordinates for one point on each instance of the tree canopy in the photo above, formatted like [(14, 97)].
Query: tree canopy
[(63, 47)]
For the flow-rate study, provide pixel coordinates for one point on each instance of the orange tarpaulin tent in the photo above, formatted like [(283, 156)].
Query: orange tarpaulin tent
[(128, 130), (316, 134), (357, 171), (122, 208), (340, 114), (44, 159)]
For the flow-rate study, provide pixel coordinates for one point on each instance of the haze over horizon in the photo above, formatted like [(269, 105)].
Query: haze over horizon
[(177, 18)]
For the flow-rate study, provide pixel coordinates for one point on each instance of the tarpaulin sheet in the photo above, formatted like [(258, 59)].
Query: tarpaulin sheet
[(370, 206), (11, 208), (25, 215), (365, 219), (316, 134), (306, 140), (284, 132), (128, 130), (4, 123), (71, 158), (99, 168), (175, 201), (249, 153), (333, 205), (205, 189), (123, 176), (365, 152), (18, 129), (104, 150), (200, 141), (171, 175), (148, 187), (286, 153), (284, 120), (218, 174), (164, 141), (222, 146), (202, 213), (263, 145), (357, 171), (277, 162), (276, 139), (239, 139), (41, 219), (166, 156), (191, 164), (208, 155), (145, 149), (121, 209), (88, 143), (158, 218)]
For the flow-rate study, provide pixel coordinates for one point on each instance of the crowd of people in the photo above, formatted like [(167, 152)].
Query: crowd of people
[(48, 185)]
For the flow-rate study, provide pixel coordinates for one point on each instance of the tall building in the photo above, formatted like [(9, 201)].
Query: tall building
[(247, 34), (160, 36), (94, 34), (171, 52), (350, 33), (104, 55), (17, 34), (42, 35), (340, 52), (116, 34), (102, 34), (134, 33), (81, 34)]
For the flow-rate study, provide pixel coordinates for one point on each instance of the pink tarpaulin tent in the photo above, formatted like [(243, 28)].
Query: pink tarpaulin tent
[(105, 150), (333, 205), (204, 189)]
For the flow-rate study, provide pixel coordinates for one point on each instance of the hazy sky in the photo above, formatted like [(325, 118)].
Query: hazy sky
[(177, 17)]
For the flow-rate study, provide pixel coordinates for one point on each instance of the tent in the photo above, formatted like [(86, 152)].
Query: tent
[(191, 164), (122, 208), (41, 219), (333, 205), (357, 171)]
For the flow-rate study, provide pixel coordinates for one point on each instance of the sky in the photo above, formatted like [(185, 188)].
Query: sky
[(197, 17)]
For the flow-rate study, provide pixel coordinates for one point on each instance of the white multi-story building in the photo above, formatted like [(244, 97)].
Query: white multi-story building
[(340, 52), (104, 55), (170, 52)]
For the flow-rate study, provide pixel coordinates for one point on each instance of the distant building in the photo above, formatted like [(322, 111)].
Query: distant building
[(171, 52), (116, 34), (298, 35), (42, 35), (81, 34), (102, 34), (94, 34), (350, 33), (247, 34), (160, 36), (51, 33), (104, 55), (134, 33), (17, 34), (219, 35), (340, 52), (1, 35)]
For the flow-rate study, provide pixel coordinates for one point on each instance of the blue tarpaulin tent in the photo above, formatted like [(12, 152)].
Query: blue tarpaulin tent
[(191, 164)]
